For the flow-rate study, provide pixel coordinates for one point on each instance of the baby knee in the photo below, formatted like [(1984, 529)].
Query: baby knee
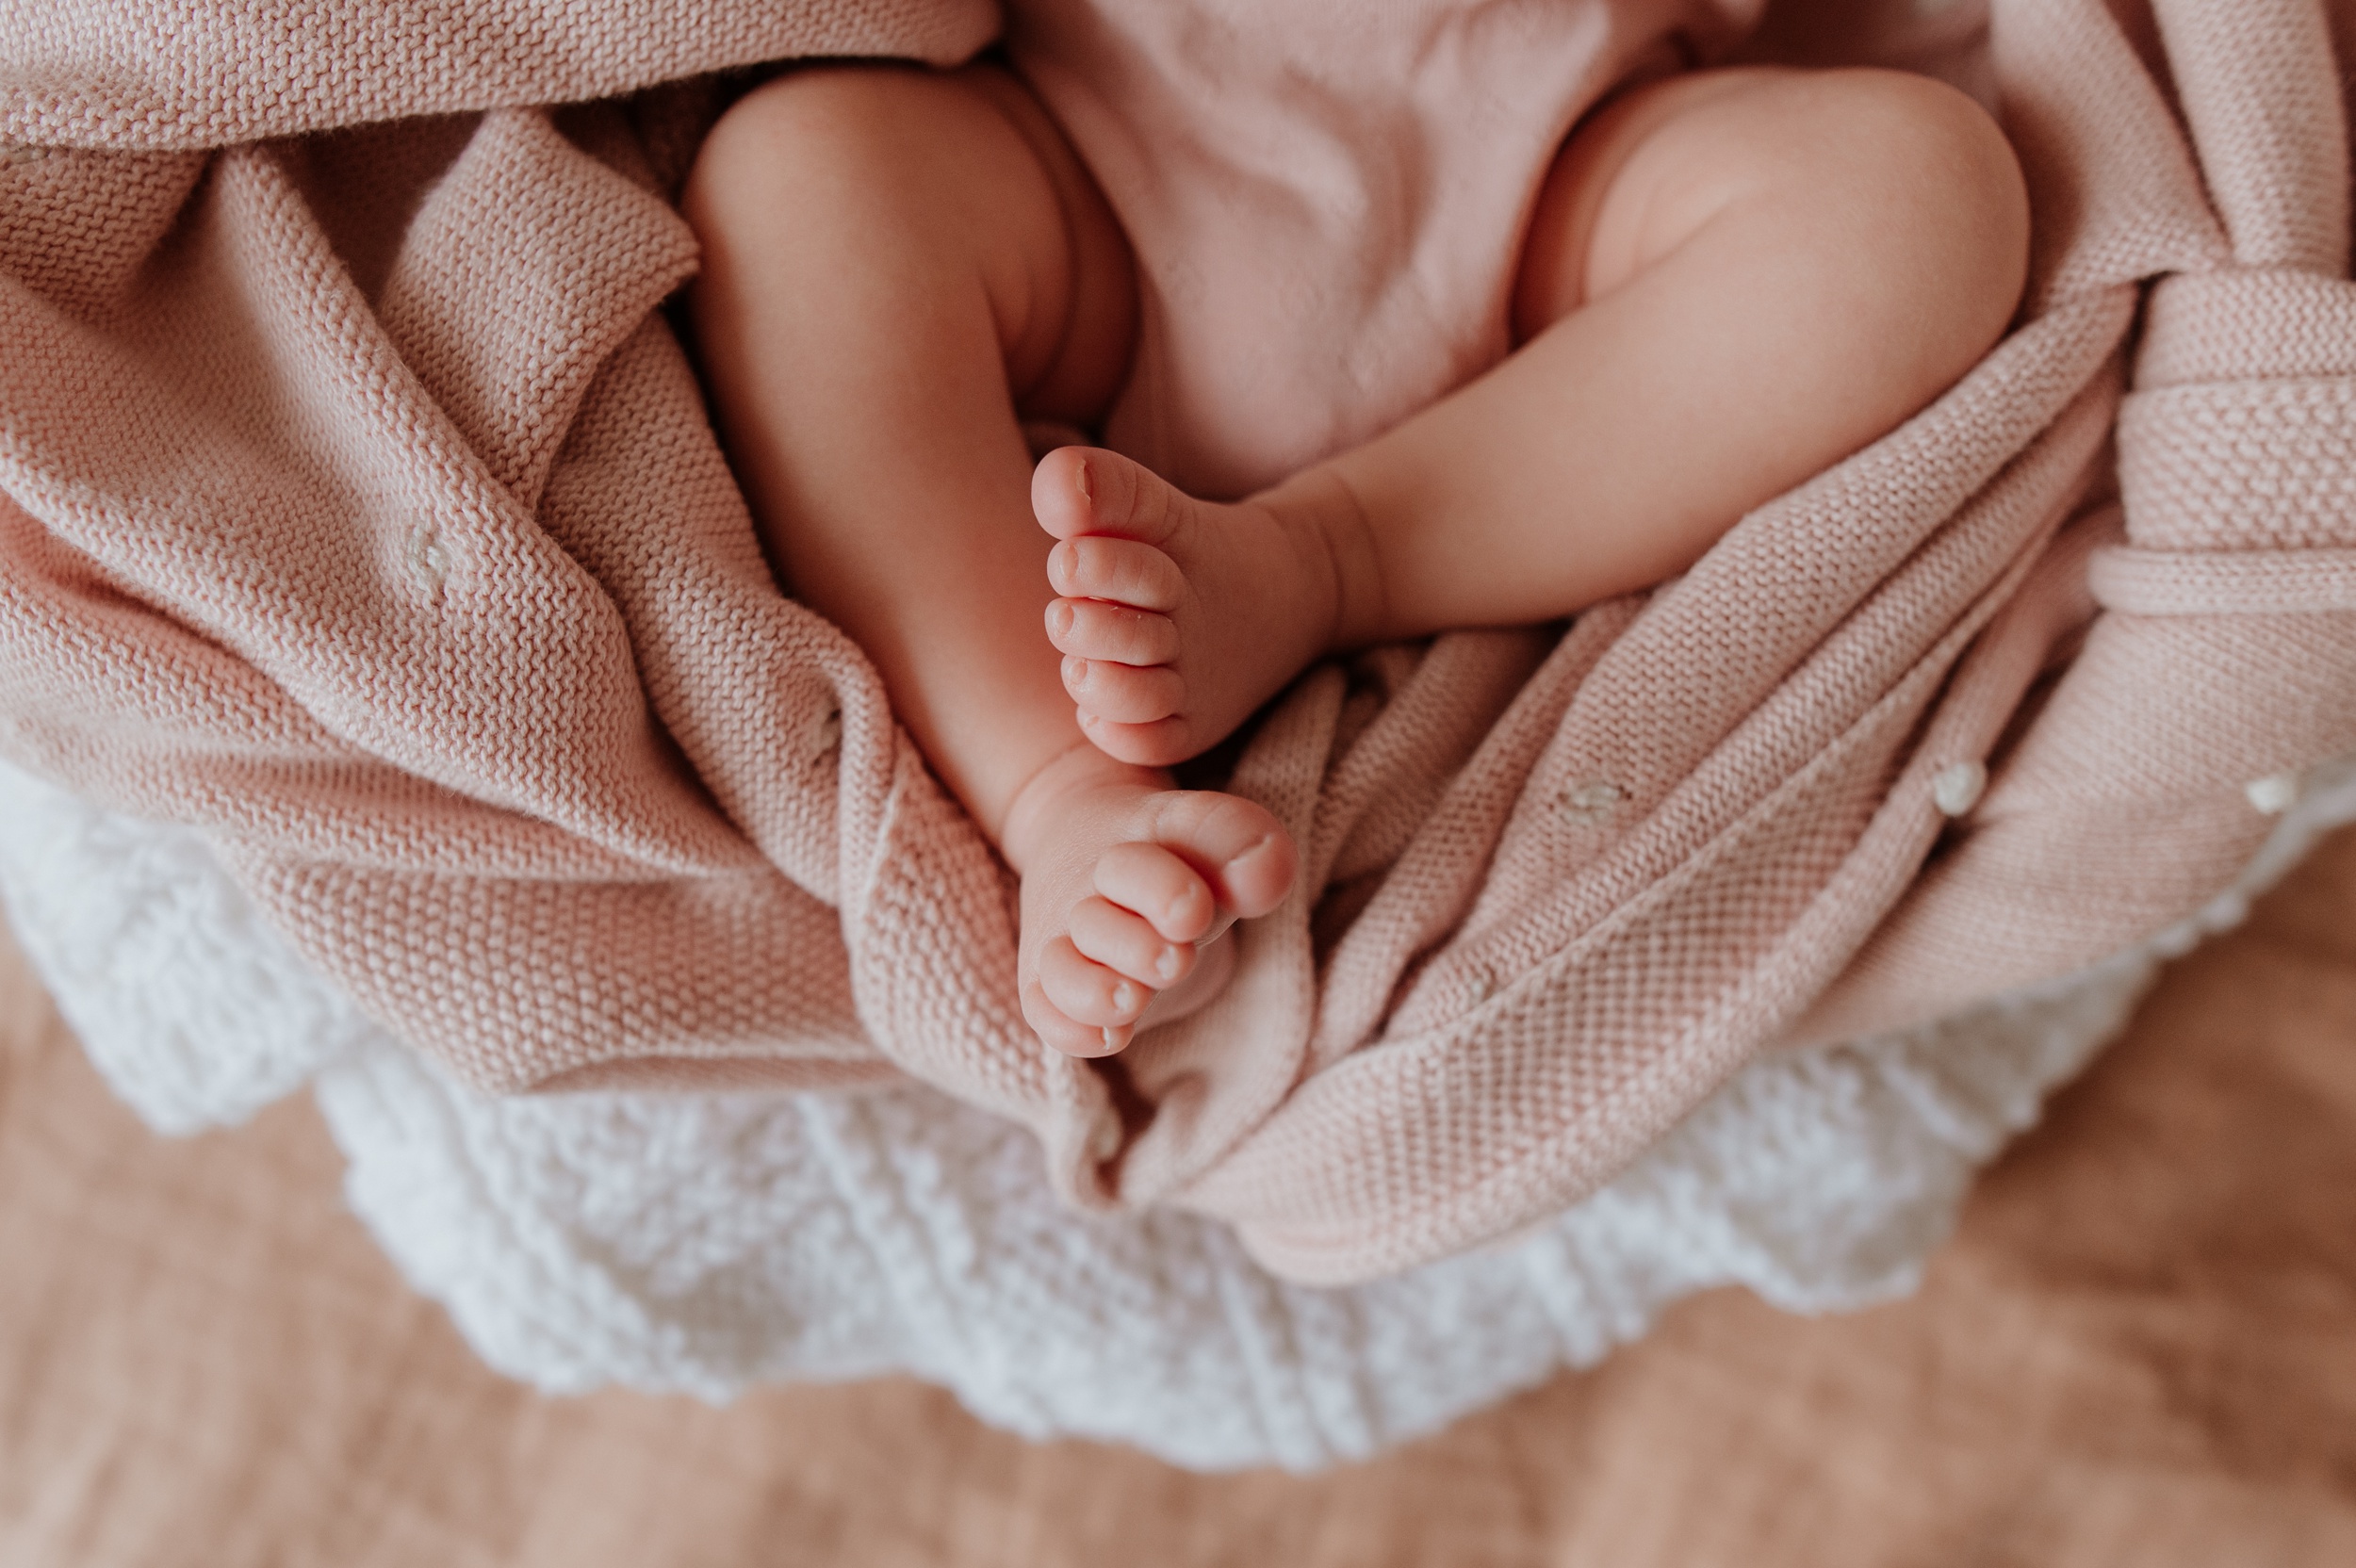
[(1946, 207), (857, 121)]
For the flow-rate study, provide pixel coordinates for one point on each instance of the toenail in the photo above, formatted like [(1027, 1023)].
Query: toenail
[(1265, 842), (1166, 965), (1127, 998), (1086, 481), (1075, 670), (1060, 618)]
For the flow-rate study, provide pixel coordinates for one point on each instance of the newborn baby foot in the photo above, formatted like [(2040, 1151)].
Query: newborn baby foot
[(1123, 877), (1177, 617)]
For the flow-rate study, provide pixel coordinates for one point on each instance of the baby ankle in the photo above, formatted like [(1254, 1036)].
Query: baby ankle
[(1330, 524)]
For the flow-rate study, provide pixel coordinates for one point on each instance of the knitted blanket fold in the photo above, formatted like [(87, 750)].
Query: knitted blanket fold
[(360, 510)]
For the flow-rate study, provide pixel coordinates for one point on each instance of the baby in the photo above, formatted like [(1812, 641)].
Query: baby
[(1724, 281)]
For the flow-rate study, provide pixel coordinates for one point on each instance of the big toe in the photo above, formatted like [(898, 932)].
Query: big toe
[(1084, 490), (1239, 848)]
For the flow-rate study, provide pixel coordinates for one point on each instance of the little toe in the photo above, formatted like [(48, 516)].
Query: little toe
[(1097, 631), (1125, 943), (1123, 692), (1067, 1034), (1086, 991), (1122, 571)]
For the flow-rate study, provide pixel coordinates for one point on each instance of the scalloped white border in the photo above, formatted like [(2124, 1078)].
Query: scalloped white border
[(709, 1243)]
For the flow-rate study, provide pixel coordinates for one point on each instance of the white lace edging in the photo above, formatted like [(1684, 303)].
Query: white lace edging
[(709, 1243)]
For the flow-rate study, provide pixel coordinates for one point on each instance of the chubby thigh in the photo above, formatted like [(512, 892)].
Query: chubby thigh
[(1731, 281), (849, 212)]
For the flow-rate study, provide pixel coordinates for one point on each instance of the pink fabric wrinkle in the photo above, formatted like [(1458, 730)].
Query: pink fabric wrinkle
[(360, 510)]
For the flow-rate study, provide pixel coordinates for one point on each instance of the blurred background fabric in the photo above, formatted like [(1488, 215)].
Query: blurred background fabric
[(2140, 1347)]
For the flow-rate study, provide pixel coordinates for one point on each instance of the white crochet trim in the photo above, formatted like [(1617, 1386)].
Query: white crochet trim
[(195, 1010), (712, 1242)]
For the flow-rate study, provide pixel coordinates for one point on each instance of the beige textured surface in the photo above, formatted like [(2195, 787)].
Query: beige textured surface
[(2140, 1349)]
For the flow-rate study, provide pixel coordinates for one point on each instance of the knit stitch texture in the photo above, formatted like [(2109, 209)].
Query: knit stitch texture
[(707, 1242), (360, 512)]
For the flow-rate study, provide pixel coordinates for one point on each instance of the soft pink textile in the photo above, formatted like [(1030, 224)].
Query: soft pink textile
[(1326, 199), (361, 509)]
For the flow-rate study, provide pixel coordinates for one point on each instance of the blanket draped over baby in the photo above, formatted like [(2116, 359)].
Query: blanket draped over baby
[(360, 508)]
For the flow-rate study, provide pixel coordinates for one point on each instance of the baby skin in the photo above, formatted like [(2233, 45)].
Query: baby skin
[(1731, 280)]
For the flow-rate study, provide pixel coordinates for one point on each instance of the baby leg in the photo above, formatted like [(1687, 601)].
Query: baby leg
[(898, 265), (1732, 280)]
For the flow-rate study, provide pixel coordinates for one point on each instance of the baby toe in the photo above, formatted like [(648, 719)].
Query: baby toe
[(1063, 492), (1256, 880), (1159, 888), (1067, 1034), (1122, 571), (1086, 991), (1125, 943), (1239, 848), (1162, 744), (1093, 629), (1079, 490), (1123, 692)]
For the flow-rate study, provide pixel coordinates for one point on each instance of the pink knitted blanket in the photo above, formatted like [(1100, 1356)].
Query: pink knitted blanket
[(360, 508)]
